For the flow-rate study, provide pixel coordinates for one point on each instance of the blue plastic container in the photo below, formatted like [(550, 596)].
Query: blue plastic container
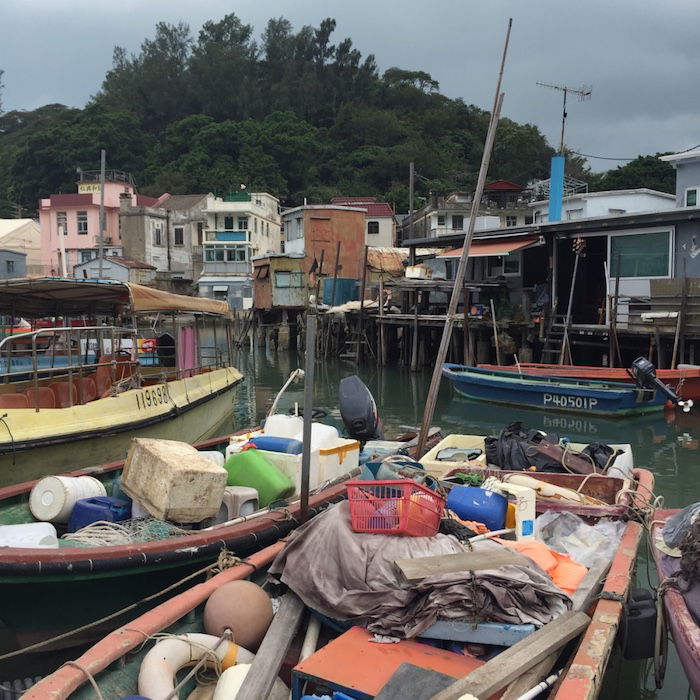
[(480, 505), (271, 443), (89, 510)]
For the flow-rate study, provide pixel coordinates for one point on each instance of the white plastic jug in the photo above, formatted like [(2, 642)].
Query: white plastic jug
[(322, 436), (53, 497), (280, 425), (34, 535)]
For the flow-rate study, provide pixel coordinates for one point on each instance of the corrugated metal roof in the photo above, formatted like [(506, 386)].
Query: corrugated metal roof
[(388, 260), (493, 246)]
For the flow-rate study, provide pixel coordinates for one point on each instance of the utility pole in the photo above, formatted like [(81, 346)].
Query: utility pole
[(583, 93), (100, 249)]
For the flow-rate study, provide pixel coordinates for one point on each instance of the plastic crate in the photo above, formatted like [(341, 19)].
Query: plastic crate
[(397, 507)]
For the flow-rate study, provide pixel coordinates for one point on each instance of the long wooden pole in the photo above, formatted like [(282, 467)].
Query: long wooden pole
[(461, 268), (358, 349)]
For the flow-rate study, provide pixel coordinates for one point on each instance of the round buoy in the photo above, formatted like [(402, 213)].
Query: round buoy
[(243, 607)]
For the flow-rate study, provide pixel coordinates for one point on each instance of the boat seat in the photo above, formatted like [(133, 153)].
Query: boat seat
[(13, 401), (65, 393), (43, 394), (87, 389)]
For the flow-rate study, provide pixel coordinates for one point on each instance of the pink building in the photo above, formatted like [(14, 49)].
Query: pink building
[(77, 217)]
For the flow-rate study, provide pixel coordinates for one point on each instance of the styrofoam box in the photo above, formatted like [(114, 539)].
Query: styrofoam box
[(173, 481), (291, 466), (338, 459), (438, 467)]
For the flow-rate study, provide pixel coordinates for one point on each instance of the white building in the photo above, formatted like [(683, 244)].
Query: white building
[(380, 220), (23, 236), (587, 205), (239, 226)]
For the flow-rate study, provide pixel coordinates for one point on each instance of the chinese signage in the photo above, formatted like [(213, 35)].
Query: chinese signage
[(88, 187)]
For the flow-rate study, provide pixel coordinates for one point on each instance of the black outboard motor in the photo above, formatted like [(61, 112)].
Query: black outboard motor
[(645, 375), (359, 410)]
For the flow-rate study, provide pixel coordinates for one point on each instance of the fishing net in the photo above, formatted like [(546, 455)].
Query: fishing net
[(690, 554), (104, 533)]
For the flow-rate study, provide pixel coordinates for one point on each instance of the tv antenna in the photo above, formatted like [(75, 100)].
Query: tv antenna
[(583, 93)]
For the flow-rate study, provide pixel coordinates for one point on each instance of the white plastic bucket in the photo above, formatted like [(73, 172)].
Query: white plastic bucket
[(53, 497), (39, 535), (214, 456)]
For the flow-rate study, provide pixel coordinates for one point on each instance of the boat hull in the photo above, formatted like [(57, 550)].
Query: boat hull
[(52, 441), (684, 630), (685, 382), (551, 394)]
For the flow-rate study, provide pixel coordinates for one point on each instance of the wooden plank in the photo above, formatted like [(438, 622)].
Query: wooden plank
[(417, 569), (268, 661), (582, 598), (502, 669)]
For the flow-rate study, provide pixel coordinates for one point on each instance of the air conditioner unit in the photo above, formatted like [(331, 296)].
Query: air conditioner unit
[(108, 241)]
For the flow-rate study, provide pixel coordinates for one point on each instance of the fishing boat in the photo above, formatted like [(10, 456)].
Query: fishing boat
[(678, 617), (328, 654), (105, 361), (553, 393), (684, 380)]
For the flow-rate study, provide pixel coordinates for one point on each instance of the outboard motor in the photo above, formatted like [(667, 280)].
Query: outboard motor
[(644, 374), (359, 410)]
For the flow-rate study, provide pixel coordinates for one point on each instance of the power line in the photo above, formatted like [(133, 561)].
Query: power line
[(587, 155)]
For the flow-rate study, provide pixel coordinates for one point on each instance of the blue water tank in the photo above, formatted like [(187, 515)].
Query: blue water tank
[(89, 510), (272, 443), (480, 505)]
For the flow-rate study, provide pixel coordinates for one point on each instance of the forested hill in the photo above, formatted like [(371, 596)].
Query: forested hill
[(293, 113)]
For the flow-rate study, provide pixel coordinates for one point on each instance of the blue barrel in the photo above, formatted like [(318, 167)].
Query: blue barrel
[(271, 443), (480, 505)]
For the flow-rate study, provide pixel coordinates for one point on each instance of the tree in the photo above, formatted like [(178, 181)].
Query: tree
[(643, 171)]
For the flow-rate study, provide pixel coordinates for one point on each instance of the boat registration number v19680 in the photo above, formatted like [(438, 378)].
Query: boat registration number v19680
[(569, 401), (151, 396)]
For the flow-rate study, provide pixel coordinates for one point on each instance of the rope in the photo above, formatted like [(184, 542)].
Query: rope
[(88, 675)]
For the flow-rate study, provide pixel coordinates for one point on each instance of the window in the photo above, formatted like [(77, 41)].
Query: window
[(574, 214), (372, 227), (228, 223), (157, 228), (457, 222), (288, 279), (255, 225), (179, 234), (62, 222), (214, 254), (440, 219), (9, 265), (86, 256), (200, 232), (242, 223), (691, 197), (511, 263), (229, 253), (641, 254), (528, 220), (511, 220), (82, 223)]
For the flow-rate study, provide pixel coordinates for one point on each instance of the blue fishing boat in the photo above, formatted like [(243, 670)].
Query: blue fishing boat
[(554, 393)]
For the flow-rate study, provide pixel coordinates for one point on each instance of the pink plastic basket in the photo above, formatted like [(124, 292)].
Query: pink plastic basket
[(397, 507)]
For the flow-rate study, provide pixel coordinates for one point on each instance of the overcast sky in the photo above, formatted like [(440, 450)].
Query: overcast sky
[(640, 57)]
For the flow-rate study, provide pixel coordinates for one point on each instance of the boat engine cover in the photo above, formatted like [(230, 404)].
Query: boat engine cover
[(359, 410)]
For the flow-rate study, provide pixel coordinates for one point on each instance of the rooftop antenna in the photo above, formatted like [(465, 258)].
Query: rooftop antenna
[(583, 94)]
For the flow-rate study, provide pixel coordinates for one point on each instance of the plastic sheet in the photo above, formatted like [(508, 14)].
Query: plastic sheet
[(568, 534)]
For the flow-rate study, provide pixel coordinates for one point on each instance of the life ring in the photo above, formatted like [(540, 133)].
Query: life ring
[(148, 345), (161, 664)]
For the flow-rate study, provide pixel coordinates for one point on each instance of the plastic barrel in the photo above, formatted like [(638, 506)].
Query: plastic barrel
[(28, 535), (250, 468), (480, 505), (272, 443), (53, 497)]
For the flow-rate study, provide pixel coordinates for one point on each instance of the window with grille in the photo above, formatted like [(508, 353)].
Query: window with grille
[(82, 223)]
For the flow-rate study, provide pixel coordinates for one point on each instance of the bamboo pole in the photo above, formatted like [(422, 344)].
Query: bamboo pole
[(495, 334), (459, 279), (358, 350)]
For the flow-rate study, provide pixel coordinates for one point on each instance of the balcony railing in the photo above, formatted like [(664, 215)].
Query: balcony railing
[(226, 236)]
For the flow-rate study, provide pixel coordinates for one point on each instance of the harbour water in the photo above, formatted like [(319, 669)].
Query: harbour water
[(667, 443)]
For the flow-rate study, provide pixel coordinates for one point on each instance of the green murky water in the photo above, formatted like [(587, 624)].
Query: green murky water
[(665, 443)]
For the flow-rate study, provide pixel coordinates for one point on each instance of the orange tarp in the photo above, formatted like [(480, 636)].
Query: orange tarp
[(149, 299), (492, 246)]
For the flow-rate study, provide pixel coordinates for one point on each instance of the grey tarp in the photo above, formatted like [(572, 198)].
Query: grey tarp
[(349, 576)]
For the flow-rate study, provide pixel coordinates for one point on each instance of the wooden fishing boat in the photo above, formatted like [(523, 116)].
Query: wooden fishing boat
[(348, 661), (106, 361), (685, 380), (683, 626), (552, 393)]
